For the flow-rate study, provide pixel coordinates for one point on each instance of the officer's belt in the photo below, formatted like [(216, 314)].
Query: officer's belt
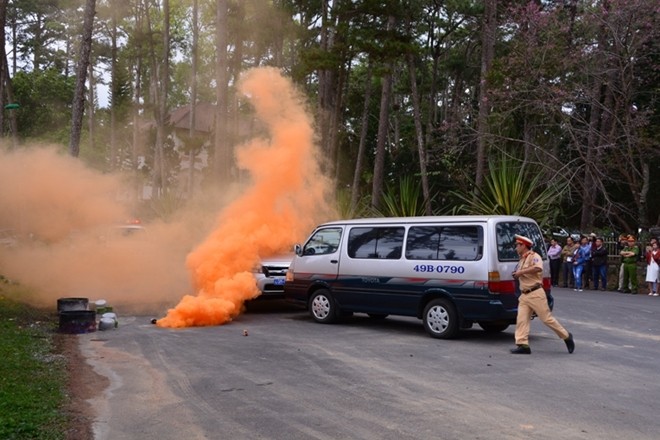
[(533, 288)]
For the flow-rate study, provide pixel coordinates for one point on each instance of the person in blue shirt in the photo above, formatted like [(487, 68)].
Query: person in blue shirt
[(580, 258)]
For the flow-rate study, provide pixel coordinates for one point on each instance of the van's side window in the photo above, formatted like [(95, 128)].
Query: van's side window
[(375, 242), (462, 243), (322, 242)]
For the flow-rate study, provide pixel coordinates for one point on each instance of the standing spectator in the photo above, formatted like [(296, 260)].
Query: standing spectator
[(599, 264), (629, 256), (652, 268), (649, 246), (623, 242), (554, 253), (567, 256), (588, 265), (580, 257)]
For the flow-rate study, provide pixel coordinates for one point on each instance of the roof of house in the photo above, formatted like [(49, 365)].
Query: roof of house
[(204, 117)]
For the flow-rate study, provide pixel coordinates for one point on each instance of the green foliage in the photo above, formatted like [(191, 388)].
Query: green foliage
[(404, 201), (362, 210), (32, 376), (511, 189), (543, 85), (45, 98), (121, 93)]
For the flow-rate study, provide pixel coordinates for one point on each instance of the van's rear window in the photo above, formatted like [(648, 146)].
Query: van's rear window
[(506, 249)]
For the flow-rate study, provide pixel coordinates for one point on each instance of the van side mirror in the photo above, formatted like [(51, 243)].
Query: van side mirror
[(298, 250)]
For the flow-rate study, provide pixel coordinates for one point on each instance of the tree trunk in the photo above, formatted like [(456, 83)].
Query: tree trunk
[(327, 84), (335, 121), (487, 55), (136, 125), (113, 91), (78, 107), (193, 100), (223, 148), (90, 107), (594, 135), (421, 150), (643, 195), (383, 124), (14, 40), (3, 64), (9, 93), (6, 89), (163, 91), (432, 115), (355, 190), (38, 40), (137, 106), (159, 89)]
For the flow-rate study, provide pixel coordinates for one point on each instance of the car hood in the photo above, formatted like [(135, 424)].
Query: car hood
[(278, 259)]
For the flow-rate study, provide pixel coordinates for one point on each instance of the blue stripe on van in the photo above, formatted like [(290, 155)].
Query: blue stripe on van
[(402, 295)]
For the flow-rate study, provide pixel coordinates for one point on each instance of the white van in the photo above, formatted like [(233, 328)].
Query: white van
[(451, 272)]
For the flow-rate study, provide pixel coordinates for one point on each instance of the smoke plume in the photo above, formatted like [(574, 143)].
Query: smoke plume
[(283, 202), (60, 234), (60, 225)]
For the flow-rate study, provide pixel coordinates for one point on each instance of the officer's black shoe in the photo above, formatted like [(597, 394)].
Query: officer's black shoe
[(570, 344), (521, 349)]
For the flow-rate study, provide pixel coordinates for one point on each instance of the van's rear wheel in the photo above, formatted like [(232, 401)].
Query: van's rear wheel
[(490, 327), (440, 319), (322, 307)]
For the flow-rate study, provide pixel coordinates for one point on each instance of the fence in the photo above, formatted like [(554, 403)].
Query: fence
[(612, 251)]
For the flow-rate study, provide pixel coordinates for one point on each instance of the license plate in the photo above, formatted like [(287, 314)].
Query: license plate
[(279, 281)]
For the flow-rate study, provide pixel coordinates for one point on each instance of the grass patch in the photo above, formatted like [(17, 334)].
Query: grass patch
[(32, 375)]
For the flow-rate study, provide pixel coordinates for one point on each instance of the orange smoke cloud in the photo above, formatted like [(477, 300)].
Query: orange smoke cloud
[(63, 217), (285, 199), (50, 195)]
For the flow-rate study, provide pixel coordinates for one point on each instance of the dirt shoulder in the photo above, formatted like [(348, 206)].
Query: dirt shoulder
[(82, 385)]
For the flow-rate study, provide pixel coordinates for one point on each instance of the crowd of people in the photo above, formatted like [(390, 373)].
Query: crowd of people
[(584, 264)]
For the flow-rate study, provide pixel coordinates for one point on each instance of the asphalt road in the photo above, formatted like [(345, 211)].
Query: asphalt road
[(292, 378)]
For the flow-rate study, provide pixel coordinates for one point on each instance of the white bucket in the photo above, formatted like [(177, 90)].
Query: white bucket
[(107, 324), (111, 316)]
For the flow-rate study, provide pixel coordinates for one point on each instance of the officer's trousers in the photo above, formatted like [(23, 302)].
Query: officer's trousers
[(536, 302)]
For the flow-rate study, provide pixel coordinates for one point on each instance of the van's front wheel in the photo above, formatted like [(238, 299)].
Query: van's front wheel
[(440, 319), (322, 307)]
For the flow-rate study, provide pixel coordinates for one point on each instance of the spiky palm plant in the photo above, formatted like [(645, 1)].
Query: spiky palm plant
[(404, 202), (511, 189), (344, 209)]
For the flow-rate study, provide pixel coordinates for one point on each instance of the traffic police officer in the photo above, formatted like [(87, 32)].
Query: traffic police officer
[(529, 273)]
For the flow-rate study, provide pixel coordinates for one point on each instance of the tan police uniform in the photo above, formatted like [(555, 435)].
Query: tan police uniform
[(533, 300)]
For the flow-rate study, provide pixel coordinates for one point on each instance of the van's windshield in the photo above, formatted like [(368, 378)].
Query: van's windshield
[(506, 249), (324, 241)]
